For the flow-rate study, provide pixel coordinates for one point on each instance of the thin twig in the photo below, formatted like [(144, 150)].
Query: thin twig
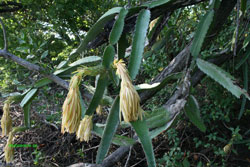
[(203, 155), (126, 164), (138, 162), (4, 36)]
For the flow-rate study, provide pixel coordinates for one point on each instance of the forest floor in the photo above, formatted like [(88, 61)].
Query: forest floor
[(50, 148), (47, 146)]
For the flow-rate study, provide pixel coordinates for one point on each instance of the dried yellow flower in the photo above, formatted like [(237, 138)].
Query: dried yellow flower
[(71, 107), (6, 122), (84, 131), (8, 149), (99, 110), (129, 98)]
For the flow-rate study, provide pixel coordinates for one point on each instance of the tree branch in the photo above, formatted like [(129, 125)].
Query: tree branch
[(34, 67), (130, 21)]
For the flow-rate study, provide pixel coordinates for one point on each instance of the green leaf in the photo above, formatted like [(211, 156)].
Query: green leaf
[(215, 4), (158, 118), (108, 56), (122, 46), (200, 33), (222, 77), (85, 60), (102, 81), (45, 54), (157, 3), (83, 107), (243, 6), (246, 41), (109, 131), (62, 64), (26, 110), (138, 42), (26, 103), (159, 44), (97, 28), (193, 113), (161, 129), (117, 139), (185, 163), (100, 88), (42, 82), (142, 132), (117, 29), (23, 49), (73, 66), (158, 85), (28, 97), (244, 59), (244, 100), (123, 141)]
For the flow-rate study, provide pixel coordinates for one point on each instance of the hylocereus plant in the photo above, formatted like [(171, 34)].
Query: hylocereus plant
[(118, 68)]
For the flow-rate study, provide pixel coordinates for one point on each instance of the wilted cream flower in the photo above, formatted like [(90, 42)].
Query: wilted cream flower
[(227, 148), (71, 107), (6, 122), (84, 130), (8, 149), (99, 110), (129, 98)]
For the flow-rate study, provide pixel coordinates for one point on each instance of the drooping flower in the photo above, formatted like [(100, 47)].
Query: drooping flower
[(8, 149), (129, 98), (84, 130), (6, 122), (71, 107)]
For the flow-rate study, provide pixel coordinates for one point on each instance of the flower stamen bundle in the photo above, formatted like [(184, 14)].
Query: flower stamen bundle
[(129, 98), (6, 122), (84, 131), (71, 107)]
